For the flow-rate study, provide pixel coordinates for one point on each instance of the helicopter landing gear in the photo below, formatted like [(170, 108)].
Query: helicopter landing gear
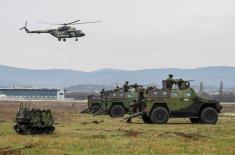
[(76, 39), (59, 39), (64, 39)]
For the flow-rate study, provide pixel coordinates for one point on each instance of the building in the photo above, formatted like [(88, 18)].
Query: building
[(31, 93)]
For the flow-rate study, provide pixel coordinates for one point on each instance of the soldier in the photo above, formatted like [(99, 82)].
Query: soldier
[(170, 81), (181, 84), (126, 86), (102, 92), (117, 89)]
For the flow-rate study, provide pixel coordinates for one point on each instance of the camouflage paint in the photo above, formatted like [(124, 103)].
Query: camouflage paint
[(176, 100)]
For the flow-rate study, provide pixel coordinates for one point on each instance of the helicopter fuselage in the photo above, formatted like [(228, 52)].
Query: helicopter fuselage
[(67, 33), (61, 33)]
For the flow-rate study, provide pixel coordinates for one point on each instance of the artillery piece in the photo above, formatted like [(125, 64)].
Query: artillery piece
[(33, 121)]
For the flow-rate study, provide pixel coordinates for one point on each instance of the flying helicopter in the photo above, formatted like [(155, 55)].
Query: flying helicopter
[(63, 32)]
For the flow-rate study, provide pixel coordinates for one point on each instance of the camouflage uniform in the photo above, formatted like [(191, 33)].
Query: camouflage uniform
[(126, 86), (102, 92), (170, 81)]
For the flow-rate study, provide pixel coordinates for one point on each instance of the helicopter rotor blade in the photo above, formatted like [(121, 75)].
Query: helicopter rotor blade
[(86, 22), (60, 23), (72, 22)]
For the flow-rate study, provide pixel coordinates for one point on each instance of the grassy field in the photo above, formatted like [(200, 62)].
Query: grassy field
[(84, 134)]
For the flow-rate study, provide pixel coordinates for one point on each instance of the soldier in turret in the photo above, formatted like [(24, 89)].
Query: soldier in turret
[(117, 89), (102, 92), (126, 86), (170, 81)]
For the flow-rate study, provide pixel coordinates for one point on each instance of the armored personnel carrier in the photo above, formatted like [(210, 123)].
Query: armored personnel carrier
[(33, 121), (115, 102), (158, 105)]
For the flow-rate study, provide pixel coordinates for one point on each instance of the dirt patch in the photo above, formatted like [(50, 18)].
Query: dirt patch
[(98, 136), (193, 136), (167, 135), (9, 150), (96, 122), (84, 123), (132, 133)]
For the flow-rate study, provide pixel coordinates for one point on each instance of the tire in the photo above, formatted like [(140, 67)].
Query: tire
[(195, 120), (209, 116), (117, 111), (146, 119), (159, 115), (95, 108)]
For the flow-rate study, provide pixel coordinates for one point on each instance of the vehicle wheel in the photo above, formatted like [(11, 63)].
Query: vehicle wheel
[(76, 39), (209, 116), (64, 39), (195, 120), (59, 39), (117, 111), (159, 115), (95, 108), (146, 119)]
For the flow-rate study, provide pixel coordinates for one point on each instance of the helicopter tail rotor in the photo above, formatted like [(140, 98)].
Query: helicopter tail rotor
[(25, 28)]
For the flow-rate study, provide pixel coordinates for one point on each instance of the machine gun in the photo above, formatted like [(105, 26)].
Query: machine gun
[(183, 84), (136, 86)]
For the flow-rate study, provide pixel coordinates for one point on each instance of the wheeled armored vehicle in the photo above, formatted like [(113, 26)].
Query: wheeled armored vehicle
[(115, 102), (33, 121), (158, 105)]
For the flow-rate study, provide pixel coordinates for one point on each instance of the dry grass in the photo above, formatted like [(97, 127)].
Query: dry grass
[(84, 134)]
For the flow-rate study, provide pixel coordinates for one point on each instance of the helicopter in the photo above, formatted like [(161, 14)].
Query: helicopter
[(63, 32)]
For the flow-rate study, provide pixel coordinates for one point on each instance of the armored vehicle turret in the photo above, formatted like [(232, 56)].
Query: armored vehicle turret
[(33, 121), (158, 105)]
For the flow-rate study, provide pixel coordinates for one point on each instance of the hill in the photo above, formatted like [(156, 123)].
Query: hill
[(211, 76)]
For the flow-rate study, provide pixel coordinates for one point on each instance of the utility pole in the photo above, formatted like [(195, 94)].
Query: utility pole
[(201, 89), (221, 90)]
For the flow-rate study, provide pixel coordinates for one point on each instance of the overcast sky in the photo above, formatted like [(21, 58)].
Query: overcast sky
[(134, 34)]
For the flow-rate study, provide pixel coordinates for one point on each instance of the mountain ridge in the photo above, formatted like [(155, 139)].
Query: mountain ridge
[(211, 76)]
